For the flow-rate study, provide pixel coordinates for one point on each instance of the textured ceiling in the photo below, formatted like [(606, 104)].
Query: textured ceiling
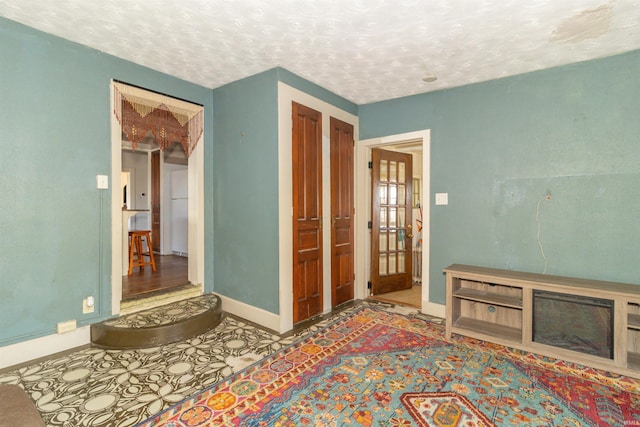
[(363, 50)]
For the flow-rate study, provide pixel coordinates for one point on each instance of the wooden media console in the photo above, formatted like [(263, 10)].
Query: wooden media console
[(595, 323)]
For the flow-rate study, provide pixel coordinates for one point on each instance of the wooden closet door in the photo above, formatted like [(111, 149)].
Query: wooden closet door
[(342, 262), (307, 212)]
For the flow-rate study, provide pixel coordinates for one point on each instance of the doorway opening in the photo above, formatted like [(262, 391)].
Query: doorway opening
[(148, 171), (155, 197), (418, 145)]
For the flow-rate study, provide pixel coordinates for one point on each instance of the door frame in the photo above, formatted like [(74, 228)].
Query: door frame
[(196, 212), (363, 206)]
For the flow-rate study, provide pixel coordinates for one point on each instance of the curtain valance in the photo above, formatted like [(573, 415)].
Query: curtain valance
[(140, 112)]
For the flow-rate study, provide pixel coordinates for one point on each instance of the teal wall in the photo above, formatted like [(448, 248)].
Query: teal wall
[(54, 139), (245, 189), (499, 147)]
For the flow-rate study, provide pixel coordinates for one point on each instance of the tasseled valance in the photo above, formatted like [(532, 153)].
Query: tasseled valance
[(168, 119)]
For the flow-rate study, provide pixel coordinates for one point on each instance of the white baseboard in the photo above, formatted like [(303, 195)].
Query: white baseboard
[(249, 312), (433, 309), (18, 353)]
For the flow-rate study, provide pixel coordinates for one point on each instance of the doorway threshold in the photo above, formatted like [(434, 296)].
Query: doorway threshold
[(410, 297), (156, 299)]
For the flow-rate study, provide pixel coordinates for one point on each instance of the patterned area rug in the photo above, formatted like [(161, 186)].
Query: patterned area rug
[(380, 368)]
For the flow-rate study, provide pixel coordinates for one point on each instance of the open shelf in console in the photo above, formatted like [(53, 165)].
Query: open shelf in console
[(489, 297), (633, 335), (487, 309), (633, 321), (482, 327)]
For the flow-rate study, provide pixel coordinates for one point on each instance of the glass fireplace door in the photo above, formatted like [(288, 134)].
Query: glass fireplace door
[(572, 322)]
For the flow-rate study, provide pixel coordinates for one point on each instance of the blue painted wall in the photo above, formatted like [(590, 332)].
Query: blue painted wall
[(245, 189), (499, 147), (54, 139)]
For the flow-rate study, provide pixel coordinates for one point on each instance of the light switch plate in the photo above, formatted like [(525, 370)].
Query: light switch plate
[(102, 182), (442, 198)]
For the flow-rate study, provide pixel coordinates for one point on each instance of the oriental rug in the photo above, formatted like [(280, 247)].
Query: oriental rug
[(378, 368)]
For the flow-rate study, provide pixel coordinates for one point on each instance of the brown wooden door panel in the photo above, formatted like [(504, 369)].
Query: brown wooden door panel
[(307, 212), (308, 239), (342, 234), (342, 187), (307, 290), (391, 233), (155, 201)]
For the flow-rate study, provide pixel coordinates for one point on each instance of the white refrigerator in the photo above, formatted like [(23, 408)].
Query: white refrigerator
[(179, 212)]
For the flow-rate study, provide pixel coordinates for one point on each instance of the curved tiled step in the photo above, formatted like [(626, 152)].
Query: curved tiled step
[(160, 325)]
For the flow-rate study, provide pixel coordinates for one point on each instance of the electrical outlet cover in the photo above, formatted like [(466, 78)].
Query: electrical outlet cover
[(67, 326), (86, 308)]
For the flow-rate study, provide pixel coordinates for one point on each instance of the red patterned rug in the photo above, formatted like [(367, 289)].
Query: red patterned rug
[(378, 368)]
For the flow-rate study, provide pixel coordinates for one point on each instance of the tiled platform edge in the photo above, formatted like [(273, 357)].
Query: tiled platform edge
[(160, 325)]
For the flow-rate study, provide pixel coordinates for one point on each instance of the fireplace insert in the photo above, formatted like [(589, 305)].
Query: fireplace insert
[(578, 323)]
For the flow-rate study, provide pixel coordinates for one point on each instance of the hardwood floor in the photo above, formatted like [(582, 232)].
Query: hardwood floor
[(171, 272), (410, 297)]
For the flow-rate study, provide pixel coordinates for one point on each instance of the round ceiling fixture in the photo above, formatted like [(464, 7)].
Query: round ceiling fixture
[(429, 78)]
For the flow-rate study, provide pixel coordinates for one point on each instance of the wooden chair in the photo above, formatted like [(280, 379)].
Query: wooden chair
[(136, 253)]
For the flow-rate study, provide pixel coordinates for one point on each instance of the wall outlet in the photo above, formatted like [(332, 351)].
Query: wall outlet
[(88, 305), (68, 326)]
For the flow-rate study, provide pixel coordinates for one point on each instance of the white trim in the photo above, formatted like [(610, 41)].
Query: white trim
[(195, 171), (26, 351), (116, 209), (286, 95), (433, 309), (363, 204), (251, 313), (196, 212)]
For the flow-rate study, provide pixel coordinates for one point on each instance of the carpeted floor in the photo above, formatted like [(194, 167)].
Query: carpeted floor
[(375, 367)]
